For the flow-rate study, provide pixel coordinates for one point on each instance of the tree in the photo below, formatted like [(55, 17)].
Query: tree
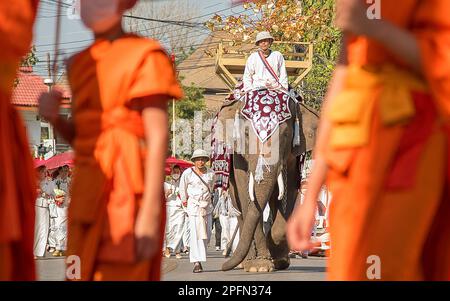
[(192, 102), (291, 21), (28, 61), (173, 30)]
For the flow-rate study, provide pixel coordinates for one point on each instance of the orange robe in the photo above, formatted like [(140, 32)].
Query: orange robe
[(388, 155), (109, 146), (17, 176)]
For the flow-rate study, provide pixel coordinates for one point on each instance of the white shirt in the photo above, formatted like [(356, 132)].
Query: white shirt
[(47, 193), (64, 185), (256, 75), (173, 199), (195, 192)]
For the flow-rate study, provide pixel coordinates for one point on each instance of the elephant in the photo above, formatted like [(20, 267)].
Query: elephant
[(258, 251)]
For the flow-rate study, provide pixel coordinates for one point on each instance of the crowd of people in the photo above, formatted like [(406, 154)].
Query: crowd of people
[(194, 209), (52, 202)]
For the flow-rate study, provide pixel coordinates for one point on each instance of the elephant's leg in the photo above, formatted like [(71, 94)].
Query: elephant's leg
[(276, 238)]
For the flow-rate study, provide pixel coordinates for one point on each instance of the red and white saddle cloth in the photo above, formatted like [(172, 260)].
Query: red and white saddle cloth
[(266, 109), (221, 155)]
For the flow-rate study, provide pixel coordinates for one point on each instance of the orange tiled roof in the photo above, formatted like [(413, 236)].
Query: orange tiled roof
[(30, 87)]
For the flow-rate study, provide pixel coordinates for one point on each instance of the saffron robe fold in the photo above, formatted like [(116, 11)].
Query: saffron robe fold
[(17, 177), (110, 150), (388, 156)]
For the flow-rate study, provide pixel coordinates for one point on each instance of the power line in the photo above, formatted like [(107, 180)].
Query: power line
[(153, 20), (172, 22)]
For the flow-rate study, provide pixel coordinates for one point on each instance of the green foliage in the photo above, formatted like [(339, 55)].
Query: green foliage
[(185, 108), (28, 61), (193, 101), (326, 40)]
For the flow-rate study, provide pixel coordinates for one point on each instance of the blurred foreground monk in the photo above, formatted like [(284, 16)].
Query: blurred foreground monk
[(120, 85), (17, 175), (383, 146)]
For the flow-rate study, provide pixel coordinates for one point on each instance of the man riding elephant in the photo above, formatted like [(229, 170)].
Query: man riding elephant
[(260, 166)]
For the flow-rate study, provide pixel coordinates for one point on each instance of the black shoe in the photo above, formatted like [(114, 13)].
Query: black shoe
[(197, 267)]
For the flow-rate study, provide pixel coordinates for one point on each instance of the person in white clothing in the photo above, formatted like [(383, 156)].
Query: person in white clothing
[(196, 186), (228, 221), (256, 74), (321, 236), (53, 209), (267, 219), (62, 201), (176, 214), (186, 233), (42, 220)]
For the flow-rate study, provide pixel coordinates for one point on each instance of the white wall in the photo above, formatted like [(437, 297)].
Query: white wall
[(33, 126)]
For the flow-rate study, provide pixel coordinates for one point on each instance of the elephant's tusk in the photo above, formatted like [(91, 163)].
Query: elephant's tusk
[(280, 186), (251, 187)]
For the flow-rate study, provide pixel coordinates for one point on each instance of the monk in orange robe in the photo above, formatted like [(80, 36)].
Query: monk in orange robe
[(383, 146), (17, 176), (121, 85)]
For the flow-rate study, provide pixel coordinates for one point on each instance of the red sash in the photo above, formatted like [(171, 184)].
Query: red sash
[(269, 68)]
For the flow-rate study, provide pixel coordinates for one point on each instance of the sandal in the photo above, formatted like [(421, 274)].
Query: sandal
[(197, 267)]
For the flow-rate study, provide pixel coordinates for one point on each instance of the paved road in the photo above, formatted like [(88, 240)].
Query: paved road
[(313, 268), (50, 268)]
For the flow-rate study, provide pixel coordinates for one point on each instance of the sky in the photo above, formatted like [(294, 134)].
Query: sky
[(75, 37)]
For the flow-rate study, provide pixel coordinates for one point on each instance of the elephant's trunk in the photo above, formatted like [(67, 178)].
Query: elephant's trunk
[(248, 230)]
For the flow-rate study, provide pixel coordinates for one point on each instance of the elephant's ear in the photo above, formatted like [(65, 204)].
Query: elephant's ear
[(309, 122)]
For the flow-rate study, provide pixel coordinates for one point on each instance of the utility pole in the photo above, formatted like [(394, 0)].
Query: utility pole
[(49, 68), (174, 148), (49, 83)]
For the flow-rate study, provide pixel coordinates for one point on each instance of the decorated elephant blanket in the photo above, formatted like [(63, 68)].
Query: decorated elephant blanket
[(266, 110), (221, 154)]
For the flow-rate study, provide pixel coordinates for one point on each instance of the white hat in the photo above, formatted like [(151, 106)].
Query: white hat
[(262, 36), (199, 153)]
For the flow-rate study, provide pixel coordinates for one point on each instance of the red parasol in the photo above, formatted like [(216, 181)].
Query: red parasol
[(182, 163), (38, 163), (167, 171), (60, 160)]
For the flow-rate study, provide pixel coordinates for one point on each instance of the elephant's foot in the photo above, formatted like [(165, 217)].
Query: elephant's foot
[(281, 263), (260, 265)]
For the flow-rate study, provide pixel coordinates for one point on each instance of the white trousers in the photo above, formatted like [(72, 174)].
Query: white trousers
[(52, 232), (187, 233), (228, 224), (41, 229), (175, 227), (60, 226), (197, 252)]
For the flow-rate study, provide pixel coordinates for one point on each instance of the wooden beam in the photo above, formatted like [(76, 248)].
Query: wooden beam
[(231, 65)]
